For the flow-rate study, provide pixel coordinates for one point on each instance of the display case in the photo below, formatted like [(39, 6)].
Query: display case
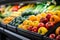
[(28, 8)]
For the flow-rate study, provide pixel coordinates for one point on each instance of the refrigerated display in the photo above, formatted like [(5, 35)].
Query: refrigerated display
[(39, 20)]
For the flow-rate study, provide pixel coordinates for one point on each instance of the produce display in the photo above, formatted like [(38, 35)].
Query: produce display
[(38, 18), (40, 23)]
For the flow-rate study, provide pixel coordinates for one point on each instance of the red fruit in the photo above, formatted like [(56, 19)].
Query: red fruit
[(15, 8), (44, 20), (30, 28), (48, 16), (52, 36), (34, 29), (49, 25), (58, 37), (40, 25)]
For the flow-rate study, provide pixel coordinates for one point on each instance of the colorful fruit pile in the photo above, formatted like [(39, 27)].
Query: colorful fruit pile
[(40, 23), (56, 34)]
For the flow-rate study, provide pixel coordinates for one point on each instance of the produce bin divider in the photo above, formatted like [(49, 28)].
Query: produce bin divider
[(11, 28), (29, 34), (14, 36), (11, 35), (23, 32)]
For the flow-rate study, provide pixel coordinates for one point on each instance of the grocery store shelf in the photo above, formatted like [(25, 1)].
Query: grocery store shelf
[(12, 35), (32, 35), (29, 34)]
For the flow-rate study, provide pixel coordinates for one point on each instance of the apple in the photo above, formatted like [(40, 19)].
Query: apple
[(30, 28), (40, 25), (58, 31), (48, 16), (44, 20), (52, 36), (58, 37), (49, 25), (34, 29)]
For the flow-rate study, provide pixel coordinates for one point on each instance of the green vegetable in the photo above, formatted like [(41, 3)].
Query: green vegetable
[(45, 7), (38, 8)]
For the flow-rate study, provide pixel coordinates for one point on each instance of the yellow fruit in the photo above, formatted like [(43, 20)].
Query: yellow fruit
[(51, 12), (25, 7), (57, 13), (43, 14), (36, 23), (20, 26), (38, 17), (28, 22), (25, 22), (42, 30), (32, 18), (7, 20), (25, 27)]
